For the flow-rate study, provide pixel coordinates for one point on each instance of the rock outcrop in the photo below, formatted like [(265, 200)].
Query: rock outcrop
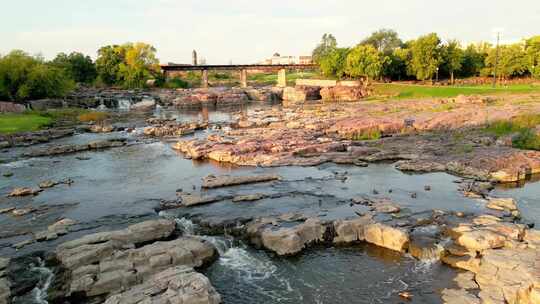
[(69, 149), (212, 181), (344, 93), (179, 284), (105, 263)]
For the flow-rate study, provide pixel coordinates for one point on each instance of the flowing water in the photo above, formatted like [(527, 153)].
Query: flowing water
[(117, 187)]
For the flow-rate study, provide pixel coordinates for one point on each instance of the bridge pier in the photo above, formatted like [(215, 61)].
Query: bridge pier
[(204, 79), (282, 78), (243, 78)]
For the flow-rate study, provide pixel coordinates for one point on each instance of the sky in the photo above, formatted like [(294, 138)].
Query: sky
[(248, 31)]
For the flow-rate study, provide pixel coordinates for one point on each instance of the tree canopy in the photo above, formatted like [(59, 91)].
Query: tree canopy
[(384, 40), (532, 49), (24, 77), (425, 56), (365, 60), (334, 63), (79, 67), (129, 65), (512, 61), (327, 45)]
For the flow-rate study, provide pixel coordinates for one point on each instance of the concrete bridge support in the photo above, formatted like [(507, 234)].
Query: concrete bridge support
[(204, 83), (243, 78), (282, 78)]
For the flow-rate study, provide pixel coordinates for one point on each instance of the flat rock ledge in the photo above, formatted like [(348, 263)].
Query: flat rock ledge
[(503, 258), (179, 284), (290, 235), (104, 264), (212, 181), (69, 149)]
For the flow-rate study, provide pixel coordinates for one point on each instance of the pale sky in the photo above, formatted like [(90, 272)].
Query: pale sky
[(247, 31)]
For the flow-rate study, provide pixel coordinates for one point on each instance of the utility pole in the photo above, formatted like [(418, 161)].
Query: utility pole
[(496, 61)]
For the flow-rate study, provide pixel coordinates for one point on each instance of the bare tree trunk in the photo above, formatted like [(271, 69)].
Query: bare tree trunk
[(452, 77)]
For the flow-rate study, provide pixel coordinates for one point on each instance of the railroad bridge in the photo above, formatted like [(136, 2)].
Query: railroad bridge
[(281, 69)]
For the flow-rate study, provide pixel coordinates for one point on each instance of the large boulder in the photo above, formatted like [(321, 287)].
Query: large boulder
[(509, 276), (349, 231), (300, 94), (175, 285), (343, 93), (105, 263), (386, 236), (288, 240)]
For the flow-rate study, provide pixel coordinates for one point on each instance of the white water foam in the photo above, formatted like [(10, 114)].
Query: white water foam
[(124, 104), (40, 291)]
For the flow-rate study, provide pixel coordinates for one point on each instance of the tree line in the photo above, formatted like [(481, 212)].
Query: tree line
[(383, 55), (26, 77)]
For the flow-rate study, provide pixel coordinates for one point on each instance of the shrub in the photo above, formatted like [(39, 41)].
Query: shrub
[(176, 83), (93, 117), (370, 134)]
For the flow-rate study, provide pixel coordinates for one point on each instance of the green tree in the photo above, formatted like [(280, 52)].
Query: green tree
[(453, 58), (14, 70), (140, 64), (334, 63), (512, 61), (46, 81), (384, 40), (425, 56), (532, 48), (79, 67), (327, 45), (474, 57), (396, 66), (365, 60), (108, 63), (24, 77)]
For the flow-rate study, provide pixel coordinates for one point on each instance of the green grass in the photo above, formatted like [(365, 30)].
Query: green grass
[(35, 120), (409, 91), (15, 123), (371, 134), (524, 130), (269, 79)]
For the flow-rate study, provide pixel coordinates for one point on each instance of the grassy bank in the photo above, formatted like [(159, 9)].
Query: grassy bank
[(271, 78), (14, 123), (522, 129), (37, 120), (406, 91)]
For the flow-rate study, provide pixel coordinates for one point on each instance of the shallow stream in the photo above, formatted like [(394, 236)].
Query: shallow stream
[(116, 187)]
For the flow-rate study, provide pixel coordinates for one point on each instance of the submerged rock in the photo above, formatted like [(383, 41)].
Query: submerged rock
[(212, 181), (23, 191), (68, 149), (175, 285)]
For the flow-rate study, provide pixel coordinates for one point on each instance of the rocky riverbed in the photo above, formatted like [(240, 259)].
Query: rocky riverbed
[(266, 204)]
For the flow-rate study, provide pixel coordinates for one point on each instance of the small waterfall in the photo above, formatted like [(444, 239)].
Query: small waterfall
[(101, 106), (124, 104), (232, 256), (187, 226), (46, 277)]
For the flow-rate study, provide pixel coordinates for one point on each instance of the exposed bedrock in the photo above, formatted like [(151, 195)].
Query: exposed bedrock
[(178, 284), (103, 264)]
